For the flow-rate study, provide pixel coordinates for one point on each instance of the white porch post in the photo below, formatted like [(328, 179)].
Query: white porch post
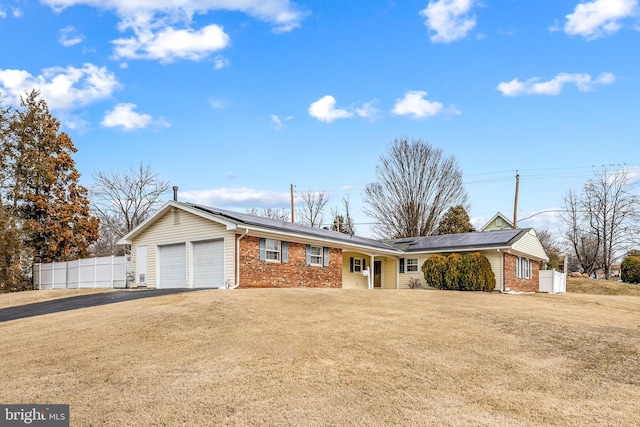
[(371, 272)]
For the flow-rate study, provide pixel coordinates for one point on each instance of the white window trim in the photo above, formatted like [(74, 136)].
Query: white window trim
[(526, 263), (407, 266), (523, 268), (267, 250), (357, 265), (320, 256)]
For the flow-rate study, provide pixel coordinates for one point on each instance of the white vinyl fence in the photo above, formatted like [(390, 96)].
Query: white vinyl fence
[(101, 272), (553, 282)]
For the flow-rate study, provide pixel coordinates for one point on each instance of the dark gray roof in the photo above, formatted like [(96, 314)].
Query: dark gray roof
[(485, 239), (274, 224)]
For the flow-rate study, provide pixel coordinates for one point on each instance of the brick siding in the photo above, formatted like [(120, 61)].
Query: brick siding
[(518, 284), (294, 273)]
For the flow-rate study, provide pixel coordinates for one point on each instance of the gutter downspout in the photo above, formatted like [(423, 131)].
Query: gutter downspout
[(246, 231)]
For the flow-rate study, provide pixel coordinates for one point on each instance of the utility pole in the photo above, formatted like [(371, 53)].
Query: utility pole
[(292, 214), (515, 203)]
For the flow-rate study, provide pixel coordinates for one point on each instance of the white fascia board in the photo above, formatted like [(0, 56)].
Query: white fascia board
[(128, 238)]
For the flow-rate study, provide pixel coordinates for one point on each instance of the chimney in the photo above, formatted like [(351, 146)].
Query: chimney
[(175, 193)]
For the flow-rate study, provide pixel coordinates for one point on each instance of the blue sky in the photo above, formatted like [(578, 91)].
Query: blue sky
[(234, 100)]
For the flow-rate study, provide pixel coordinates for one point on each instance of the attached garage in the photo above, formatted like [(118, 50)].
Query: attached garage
[(173, 266), (208, 264)]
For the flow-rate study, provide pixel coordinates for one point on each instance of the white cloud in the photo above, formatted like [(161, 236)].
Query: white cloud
[(279, 122), (218, 104), (415, 104), (169, 44), (533, 86), (599, 18), (9, 10), (237, 197), (62, 88), (162, 28), (325, 110), (69, 36), (124, 117), (283, 14), (634, 175), (220, 62), (449, 20), (368, 110), (548, 219)]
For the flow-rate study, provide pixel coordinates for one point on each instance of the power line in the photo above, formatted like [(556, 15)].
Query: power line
[(508, 175)]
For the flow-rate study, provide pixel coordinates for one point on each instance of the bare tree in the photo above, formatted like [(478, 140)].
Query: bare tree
[(279, 214), (603, 220), (342, 219), (109, 233), (613, 214), (415, 186), (584, 245), (124, 200), (312, 211), (551, 247)]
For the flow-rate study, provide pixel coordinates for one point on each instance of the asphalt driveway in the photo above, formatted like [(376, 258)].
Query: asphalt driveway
[(81, 301)]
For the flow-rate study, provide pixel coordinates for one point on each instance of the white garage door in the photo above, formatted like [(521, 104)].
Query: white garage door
[(173, 266), (208, 264)]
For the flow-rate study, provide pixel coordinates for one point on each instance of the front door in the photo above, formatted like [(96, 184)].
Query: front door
[(377, 274)]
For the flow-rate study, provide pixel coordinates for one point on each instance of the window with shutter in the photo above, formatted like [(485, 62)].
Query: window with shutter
[(272, 250), (314, 255)]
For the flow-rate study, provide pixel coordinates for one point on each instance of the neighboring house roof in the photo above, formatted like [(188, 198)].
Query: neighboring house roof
[(496, 239), (507, 224), (234, 220)]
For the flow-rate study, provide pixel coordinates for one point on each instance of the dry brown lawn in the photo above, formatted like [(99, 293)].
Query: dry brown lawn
[(321, 357), (601, 287)]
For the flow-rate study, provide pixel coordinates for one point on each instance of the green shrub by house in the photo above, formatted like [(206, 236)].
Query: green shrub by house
[(434, 270), (630, 269), (463, 272)]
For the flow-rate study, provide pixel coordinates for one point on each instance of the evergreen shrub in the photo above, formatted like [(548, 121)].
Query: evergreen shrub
[(462, 272), (630, 269)]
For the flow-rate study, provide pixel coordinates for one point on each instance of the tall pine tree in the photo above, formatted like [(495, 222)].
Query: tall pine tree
[(455, 220), (50, 204), (11, 275)]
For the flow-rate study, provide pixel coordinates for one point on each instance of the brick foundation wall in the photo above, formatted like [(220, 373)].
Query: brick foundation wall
[(517, 284), (294, 273)]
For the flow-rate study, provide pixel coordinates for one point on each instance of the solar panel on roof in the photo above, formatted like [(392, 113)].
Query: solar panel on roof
[(292, 227), (479, 239)]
